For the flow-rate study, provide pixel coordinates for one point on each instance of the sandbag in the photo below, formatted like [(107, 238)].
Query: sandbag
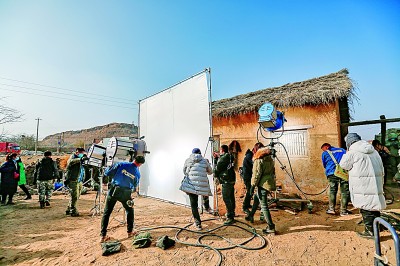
[(142, 240), (110, 247), (164, 242)]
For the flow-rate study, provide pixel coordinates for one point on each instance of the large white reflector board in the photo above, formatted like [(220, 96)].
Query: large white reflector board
[(174, 122)]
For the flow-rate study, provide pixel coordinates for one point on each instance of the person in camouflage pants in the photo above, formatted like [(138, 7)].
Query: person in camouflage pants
[(45, 189), (45, 173), (75, 174)]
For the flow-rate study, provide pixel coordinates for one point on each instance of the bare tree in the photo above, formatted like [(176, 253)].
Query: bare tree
[(9, 115)]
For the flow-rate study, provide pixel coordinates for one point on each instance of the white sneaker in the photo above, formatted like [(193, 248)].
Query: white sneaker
[(330, 211), (198, 227)]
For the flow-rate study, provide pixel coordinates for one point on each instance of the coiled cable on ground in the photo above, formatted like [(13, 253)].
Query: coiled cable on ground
[(211, 233)]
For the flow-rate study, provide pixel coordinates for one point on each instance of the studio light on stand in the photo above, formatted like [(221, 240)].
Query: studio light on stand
[(271, 120), (123, 150), (96, 159)]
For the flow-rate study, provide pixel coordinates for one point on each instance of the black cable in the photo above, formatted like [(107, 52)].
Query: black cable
[(209, 233), (259, 131), (293, 178)]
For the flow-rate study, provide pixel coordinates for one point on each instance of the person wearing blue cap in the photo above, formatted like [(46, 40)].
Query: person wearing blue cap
[(365, 180), (330, 157), (195, 183)]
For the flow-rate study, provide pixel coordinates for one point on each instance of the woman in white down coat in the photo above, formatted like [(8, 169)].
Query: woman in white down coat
[(365, 180), (196, 169)]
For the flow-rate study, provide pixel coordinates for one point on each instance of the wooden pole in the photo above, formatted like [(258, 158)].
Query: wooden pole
[(383, 129)]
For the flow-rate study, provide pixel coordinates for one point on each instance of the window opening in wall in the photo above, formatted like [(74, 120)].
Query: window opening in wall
[(294, 141)]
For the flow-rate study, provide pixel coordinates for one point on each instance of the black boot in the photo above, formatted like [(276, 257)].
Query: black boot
[(47, 203), (42, 204)]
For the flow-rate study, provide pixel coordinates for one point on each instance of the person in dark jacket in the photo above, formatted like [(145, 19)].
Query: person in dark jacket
[(74, 176), (9, 179), (125, 178), (247, 173), (45, 173), (224, 174)]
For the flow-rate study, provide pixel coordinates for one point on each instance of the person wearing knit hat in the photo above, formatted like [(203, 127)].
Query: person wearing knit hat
[(365, 180), (351, 138), (195, 183), (196, 151), (330, 157)]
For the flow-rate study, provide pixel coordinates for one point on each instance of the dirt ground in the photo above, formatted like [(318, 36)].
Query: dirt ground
[(33, 236)]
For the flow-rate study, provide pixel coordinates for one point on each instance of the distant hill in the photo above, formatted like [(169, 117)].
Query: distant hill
[(85, 137)]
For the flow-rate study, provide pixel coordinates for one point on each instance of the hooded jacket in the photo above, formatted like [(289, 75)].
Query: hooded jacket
[(196, 169), (8, 184), (74, 170), (224, 169), (365, 176), (46, 169), (263, 170)]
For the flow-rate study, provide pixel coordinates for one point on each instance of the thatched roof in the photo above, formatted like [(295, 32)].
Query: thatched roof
[(316, 91)]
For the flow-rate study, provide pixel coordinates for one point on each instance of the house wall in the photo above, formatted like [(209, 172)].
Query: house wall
[(322, 126)]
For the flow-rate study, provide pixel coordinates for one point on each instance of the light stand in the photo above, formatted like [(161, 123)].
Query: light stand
[(283, 167), (97, 208), (272, 120)]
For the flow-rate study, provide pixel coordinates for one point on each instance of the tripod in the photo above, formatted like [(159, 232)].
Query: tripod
[(96, 209)]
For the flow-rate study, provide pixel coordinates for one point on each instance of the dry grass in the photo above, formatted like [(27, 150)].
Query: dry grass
[(316, 91)]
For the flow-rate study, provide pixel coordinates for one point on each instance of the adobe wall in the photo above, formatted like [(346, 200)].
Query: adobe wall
[(308, 171)]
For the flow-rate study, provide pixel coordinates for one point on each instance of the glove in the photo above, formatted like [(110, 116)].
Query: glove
[(216, 181)]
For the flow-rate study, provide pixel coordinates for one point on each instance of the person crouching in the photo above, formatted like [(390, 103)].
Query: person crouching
[(125, 178)]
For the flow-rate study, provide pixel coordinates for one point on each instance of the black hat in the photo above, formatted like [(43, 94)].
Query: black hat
[(140, 159)]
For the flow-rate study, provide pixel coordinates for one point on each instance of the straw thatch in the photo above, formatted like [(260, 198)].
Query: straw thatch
[(316, 91)]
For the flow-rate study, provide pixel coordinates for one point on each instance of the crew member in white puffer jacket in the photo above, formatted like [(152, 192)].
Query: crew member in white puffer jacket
[(196, 169), (365, 180)]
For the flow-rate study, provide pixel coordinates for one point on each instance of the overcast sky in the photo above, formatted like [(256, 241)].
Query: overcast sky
[(79, 64)]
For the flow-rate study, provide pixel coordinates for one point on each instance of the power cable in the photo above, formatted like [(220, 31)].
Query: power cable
[(59, 88), (28, 88), (75, 100), (291, 174), (209, 233)]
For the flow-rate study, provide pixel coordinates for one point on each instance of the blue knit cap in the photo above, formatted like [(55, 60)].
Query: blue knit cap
[(351, 138), (196, 150)]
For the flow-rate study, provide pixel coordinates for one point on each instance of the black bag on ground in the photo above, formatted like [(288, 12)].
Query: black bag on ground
[(110, 247), (164, 242)]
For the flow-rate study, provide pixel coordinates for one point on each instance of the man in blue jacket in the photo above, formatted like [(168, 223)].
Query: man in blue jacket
[(125, 178), (334, 181)]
